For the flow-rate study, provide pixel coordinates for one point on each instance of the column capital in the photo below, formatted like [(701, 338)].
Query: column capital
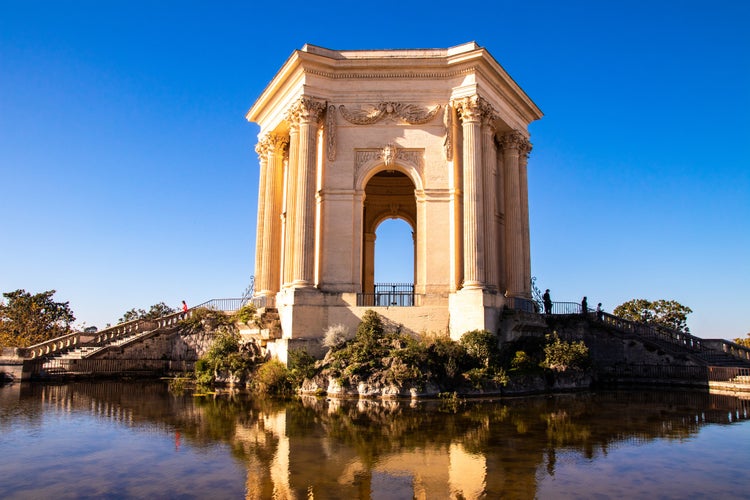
[(261, 148), (306, 109), (515, 141), (475, 109), (277, 142)]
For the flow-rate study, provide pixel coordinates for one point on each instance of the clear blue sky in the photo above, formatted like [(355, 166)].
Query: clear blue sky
[(128, 175)]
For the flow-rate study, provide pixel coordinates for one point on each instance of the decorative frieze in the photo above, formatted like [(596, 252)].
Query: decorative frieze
[(389, 154), (409, 113)]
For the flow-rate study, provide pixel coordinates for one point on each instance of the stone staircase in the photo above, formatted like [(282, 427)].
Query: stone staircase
[(87, 351)]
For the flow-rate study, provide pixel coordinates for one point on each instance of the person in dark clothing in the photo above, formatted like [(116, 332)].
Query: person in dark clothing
[(584, 306), (547, 302), (599, 312)]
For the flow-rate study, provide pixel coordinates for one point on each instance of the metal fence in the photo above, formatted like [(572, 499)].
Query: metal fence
[(55, 367), (735, 374), (226, 305), (388, 295)]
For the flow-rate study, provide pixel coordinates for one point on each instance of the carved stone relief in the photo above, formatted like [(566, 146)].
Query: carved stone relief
[(409, 113), (389, 154), (331, 132), (448, 124)]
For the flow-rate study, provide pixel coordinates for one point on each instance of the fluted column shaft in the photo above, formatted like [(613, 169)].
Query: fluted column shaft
[(290, 202), (309, 112), (499, 216), (513, 215), (260, 252), (524, 194), (489, 160), (272, 213), (473, 223)]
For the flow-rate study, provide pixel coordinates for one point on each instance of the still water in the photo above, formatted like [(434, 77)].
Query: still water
[(139, 440)]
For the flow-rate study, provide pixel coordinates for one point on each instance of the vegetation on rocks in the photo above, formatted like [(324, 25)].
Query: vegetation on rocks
[(382, 360)]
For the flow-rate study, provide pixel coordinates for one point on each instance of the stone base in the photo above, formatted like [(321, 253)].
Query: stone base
[(474, 309)]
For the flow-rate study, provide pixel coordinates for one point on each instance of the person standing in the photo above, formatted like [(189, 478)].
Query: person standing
[(599, 312), (547, 302), (584, 306), (184, 306)]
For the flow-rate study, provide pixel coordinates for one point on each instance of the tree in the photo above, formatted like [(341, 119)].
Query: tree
[(28, 319), (155, 311), (668, 313), (743, 342)]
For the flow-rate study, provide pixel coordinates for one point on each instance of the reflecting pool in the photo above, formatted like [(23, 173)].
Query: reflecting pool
[(139, 440)]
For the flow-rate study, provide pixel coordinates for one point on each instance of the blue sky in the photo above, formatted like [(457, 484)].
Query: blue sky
[(128, 175)]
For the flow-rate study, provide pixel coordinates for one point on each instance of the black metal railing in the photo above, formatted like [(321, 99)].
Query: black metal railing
[(388, 295), (642, 329), (226, 305)]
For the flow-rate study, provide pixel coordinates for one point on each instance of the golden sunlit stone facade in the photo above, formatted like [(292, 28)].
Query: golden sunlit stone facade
[(436, 137)]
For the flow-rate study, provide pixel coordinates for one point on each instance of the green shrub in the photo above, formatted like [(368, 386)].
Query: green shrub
[(560, 355), (301, 366), (247, 314), (273, 378), (521, 361), (481, 346), (206, 320)]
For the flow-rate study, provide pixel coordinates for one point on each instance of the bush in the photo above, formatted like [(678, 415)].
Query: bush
[(481, 346), (273, 378), (521, 361), (560, 355), (206, 320), (247, 314), (301, 365), (335, 336)]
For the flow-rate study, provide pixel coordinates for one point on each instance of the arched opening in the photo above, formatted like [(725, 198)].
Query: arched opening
[(390, 209), (394, 252)]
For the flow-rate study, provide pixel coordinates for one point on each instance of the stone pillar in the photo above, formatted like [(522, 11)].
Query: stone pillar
[(499, 216), (514, 263), (470, 112), (489, 168), (260, 280), (524, 151), (303, 270), (290, 190), (271, 229), (368, 278)]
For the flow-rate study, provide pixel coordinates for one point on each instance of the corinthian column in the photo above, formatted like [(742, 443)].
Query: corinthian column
[(272, 199), (489, 169), (470, 111), (290, 190), (524, 151), (260, 252), (309, 112), (514, 263)]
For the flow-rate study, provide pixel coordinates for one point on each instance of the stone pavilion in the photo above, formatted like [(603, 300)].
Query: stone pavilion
[(349, 138)]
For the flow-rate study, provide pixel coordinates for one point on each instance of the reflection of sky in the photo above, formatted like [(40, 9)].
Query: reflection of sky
[(78, 455), (707, 465)]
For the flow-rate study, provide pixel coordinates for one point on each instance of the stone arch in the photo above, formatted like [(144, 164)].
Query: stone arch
[(373, 167), (389, 193)]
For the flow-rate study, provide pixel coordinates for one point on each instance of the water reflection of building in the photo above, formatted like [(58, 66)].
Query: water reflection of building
[(365, 449)]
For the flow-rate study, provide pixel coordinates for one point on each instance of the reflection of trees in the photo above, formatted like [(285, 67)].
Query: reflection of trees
[(316, 444)]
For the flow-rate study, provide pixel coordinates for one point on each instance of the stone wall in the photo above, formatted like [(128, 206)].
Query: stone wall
[(173, 345)]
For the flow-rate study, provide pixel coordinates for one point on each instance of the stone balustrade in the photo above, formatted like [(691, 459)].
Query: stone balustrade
[(50, 346)]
